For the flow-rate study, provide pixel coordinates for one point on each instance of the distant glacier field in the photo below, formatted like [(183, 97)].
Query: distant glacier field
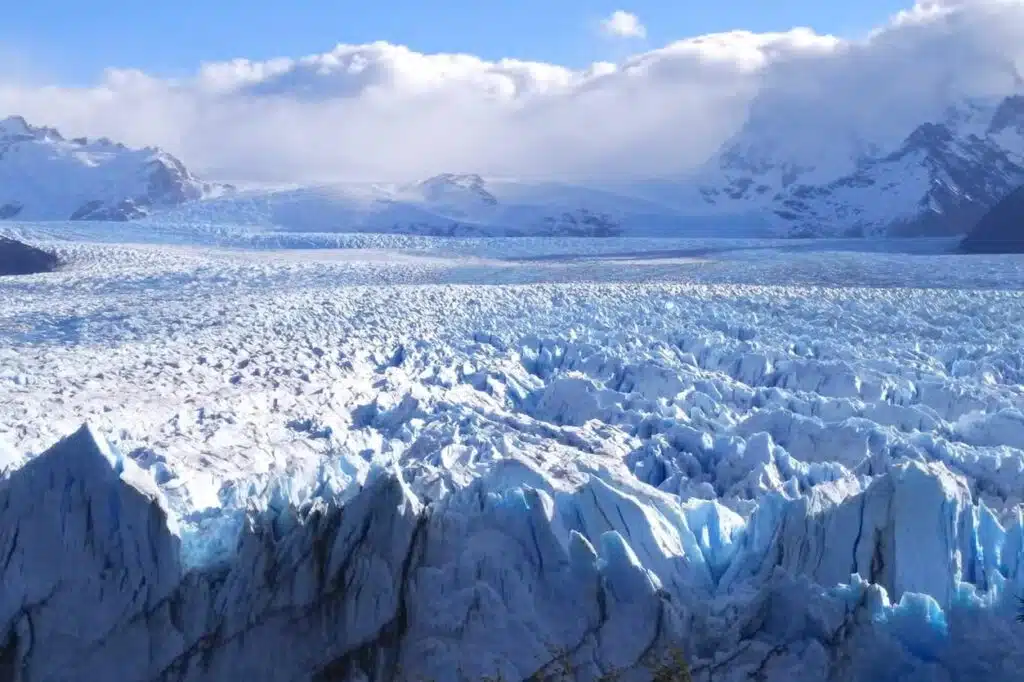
[(256, 456)]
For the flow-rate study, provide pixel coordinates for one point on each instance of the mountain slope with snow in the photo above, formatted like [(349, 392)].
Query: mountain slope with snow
[(938, 180), (461, 205), (772, 178), (44, 176), (934, 180), (935, 184)]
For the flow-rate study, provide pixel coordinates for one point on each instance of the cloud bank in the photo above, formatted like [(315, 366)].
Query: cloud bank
[(383, 111)]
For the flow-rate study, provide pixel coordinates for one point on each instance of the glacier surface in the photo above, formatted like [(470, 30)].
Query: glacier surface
[(446, 459)]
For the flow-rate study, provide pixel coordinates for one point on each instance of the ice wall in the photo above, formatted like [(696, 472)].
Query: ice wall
[(501, 575)]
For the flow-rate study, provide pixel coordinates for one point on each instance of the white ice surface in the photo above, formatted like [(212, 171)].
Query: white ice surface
[(457, 456)]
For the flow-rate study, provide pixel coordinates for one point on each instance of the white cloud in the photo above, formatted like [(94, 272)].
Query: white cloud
[(622, 24), (384, 111)]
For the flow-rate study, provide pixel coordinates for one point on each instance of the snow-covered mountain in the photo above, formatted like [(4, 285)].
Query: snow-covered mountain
[(936, 183), (462, 204), (44, 176), (937, 180)]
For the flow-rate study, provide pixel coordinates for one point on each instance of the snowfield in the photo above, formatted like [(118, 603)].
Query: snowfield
[(338, 457)]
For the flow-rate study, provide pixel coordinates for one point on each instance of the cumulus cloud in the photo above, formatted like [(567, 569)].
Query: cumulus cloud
[(383, 111), (622, 24)]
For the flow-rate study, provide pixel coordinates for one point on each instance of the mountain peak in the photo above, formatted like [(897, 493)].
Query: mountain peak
[(463, 180), (1008, 115), (456, 186), (43, 176), (14, 125), (17, 127), (927, 137), (937, 182)]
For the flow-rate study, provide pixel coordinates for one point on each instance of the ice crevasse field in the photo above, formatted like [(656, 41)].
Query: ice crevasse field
[(337, 457)]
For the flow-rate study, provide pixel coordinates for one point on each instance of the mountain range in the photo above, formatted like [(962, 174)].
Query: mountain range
[(44, 176), (938, 180)]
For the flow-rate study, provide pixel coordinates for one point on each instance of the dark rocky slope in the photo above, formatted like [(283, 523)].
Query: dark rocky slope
[(1001, 230), (17, 258)]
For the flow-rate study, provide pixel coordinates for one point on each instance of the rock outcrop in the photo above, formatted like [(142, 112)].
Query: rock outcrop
[(17, 258), (1001, 230)]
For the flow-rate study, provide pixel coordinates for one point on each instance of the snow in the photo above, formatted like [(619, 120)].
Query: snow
[(465, 205), (790, 170), (44, 176), (226, 458), (809, 172)]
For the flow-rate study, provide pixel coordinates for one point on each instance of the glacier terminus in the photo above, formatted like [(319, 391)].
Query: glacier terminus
[(269, 456)]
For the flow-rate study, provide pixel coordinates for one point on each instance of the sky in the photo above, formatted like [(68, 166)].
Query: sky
[(318, 90), (75, 44)]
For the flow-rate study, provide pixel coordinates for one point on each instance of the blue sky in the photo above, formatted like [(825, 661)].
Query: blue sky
[(72, 41)]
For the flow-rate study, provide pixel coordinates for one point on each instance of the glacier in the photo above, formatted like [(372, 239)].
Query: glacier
[(451, 459)]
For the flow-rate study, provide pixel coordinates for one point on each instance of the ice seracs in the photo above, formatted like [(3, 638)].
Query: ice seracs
[(44, 176), (502, 576), (336, 464)]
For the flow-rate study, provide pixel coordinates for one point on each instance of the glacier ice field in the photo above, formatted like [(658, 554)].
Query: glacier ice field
[(231, 455)]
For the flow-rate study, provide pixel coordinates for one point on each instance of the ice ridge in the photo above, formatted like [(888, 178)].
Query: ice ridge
[(895, 577)]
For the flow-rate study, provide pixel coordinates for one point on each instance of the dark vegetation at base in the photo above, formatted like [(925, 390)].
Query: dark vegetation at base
[(17, 258), (1001, 230)]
